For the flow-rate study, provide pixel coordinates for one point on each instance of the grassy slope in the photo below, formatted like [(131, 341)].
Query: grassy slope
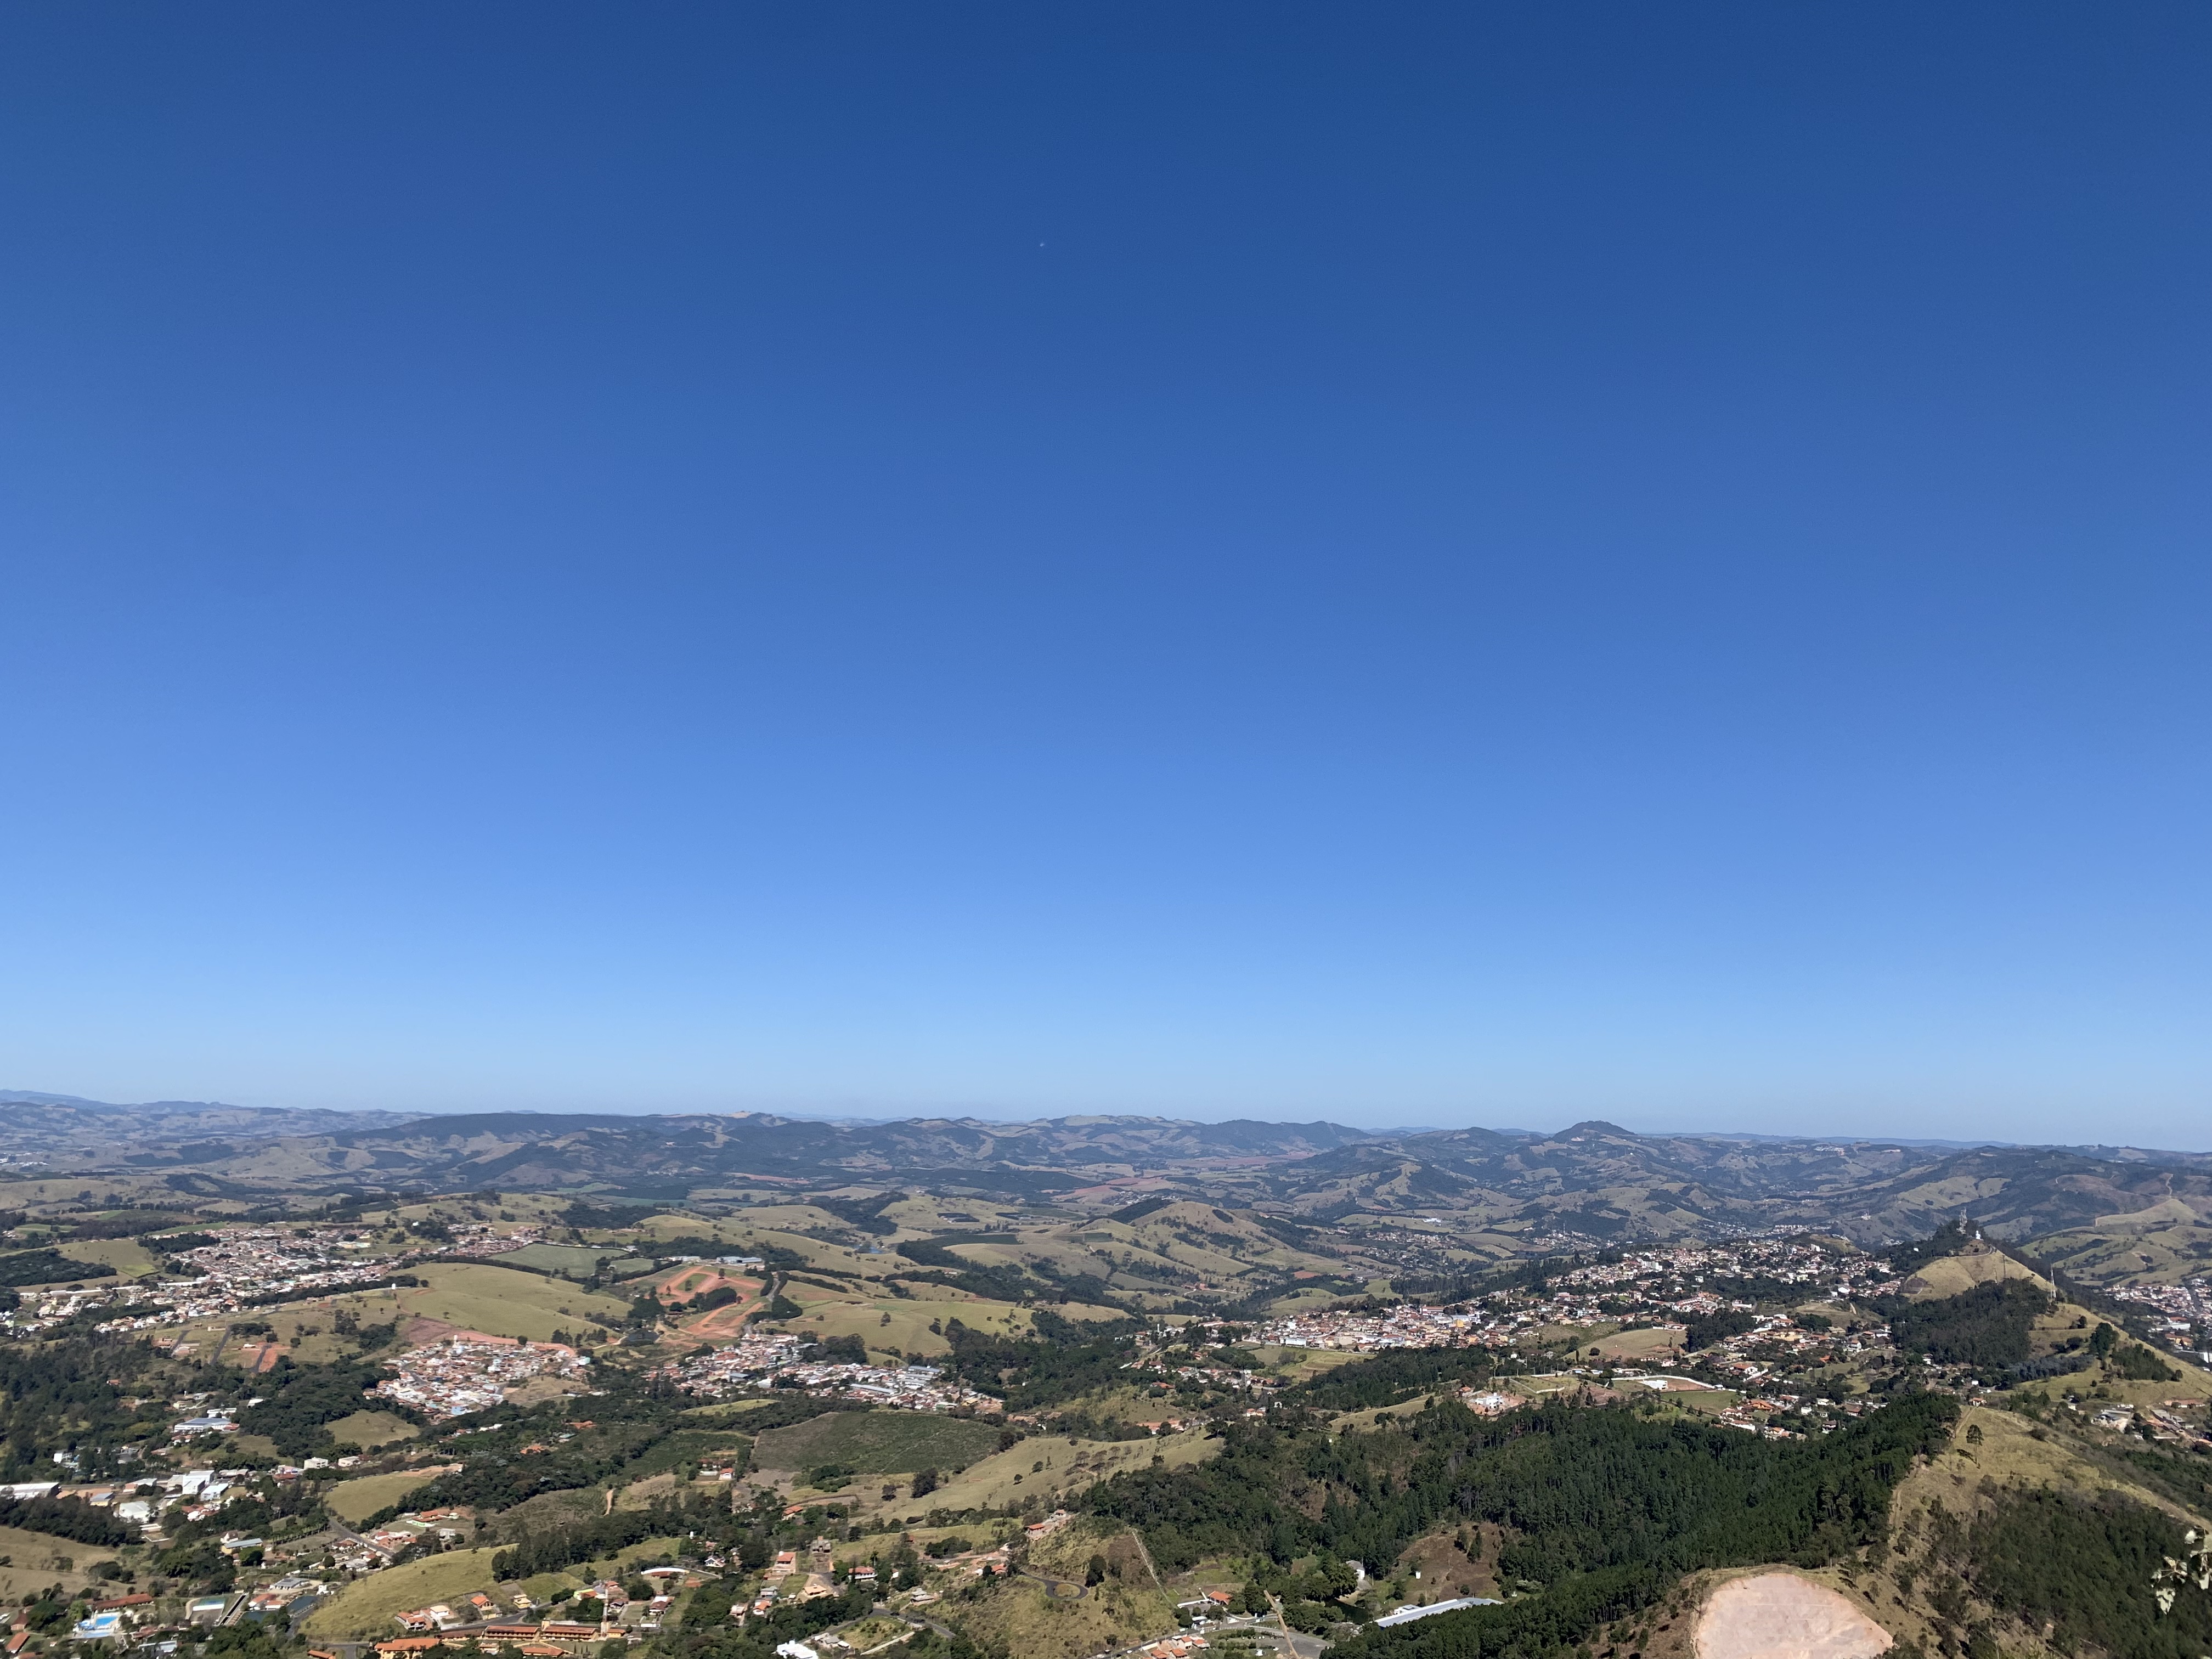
[(369, 1430), (885, 1321), (877, 1442), (2161, 1245), (1072, 1466), (130, 1259), (1034, 1625), (354, 1501), (33, 1556), (1954, 1275), (495, 1300), (366, 1606)]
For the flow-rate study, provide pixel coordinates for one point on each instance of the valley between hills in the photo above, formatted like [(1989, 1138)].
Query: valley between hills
[(721, 1386)]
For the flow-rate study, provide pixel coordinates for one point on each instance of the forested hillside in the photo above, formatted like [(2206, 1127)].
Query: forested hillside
[(1600, 1505)]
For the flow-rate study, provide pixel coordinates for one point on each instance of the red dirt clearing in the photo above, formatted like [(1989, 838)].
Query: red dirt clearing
[(723, 1322)]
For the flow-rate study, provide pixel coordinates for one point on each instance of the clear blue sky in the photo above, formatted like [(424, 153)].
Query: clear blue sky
[(1416, 564)]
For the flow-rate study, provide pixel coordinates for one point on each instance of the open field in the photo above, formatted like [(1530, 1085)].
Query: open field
[(130, 1259), (1071, 1466), (1711, 1402), (1644, 1346), (366, 1606), (754, 1220), (68, 1269), (877, 1442), (888, 1322), (318, 1342), (570, 1261), (873, 1631), (468, 1295), (369, 1430), (646, 1549), (1298, 1364), (354, 1501), (833, 1258), (35, 1558), (25, 1195)]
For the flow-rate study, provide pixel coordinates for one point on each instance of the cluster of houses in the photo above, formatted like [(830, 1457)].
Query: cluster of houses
[(194, 1494), (471, 1371), (478, 1617), (245, 1267), (787, 1580), (249, 1267), (758, 1358), (2182, 1314)]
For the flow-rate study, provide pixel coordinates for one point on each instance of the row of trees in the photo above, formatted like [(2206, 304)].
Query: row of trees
[(64, 1517), (48, 1268)]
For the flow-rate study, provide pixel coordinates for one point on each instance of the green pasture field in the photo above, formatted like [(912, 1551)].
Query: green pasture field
[(877, 1442)]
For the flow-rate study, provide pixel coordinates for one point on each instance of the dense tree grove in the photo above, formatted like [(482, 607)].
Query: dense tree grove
[(1394, 1376), (1072, 1359), (1702, 1331), (2138, 1363), (585, 1539), (65, 1517), (62, 1396), (302, 1401), (1552, 1623), (1988, 1326), (47, 1267), (2086, 1569), (1600, 1506)]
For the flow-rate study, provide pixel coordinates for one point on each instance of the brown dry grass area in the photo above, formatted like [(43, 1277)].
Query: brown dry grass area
[(1446, 1571), (371, 1429), (639, 1494), (1645, 1346), (1954, 1275), (35, 1562), (1034, 1625), (1781, 1615), (2008, 1452), (537, 1390), (549, 1511)]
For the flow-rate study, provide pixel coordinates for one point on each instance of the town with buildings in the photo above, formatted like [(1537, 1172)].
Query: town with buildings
[(471, 1371), (761, 1358), (250, 1267)]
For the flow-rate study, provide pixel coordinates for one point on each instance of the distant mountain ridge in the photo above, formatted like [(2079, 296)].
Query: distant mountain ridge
[(1593, 1182)]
